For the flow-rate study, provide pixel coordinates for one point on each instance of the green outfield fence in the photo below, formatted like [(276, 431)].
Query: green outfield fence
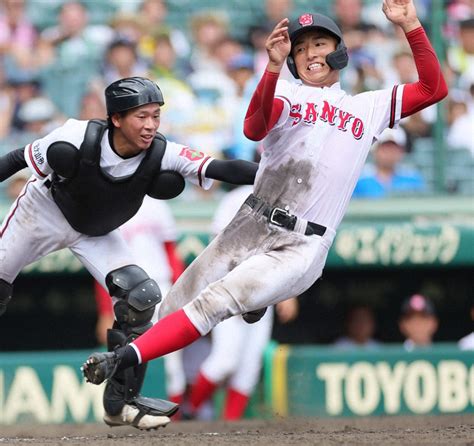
[(305, 381)]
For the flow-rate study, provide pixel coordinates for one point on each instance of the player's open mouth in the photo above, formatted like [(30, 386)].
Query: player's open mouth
[(315, 66), (148, 138)]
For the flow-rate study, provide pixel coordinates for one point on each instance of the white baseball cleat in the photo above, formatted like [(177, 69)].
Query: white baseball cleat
[(132, 416)]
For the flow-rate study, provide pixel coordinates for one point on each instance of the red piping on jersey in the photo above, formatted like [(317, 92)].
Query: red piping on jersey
[(200, 170), (284, 98), (431, 86), (30, 154), (10, 216)]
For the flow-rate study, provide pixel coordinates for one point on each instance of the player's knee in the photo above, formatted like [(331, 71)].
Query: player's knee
[(6, 291), (138, 295)]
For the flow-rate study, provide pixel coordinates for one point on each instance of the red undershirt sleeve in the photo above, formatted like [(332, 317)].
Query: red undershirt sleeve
[(431, 86), (264, 109)]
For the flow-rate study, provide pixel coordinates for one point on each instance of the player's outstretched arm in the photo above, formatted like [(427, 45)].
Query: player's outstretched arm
[(232, 171), (11, 163), (264, 109), (431, 86)]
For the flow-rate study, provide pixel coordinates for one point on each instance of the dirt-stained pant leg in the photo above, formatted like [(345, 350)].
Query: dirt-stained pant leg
[(222, 255), (288, 265)]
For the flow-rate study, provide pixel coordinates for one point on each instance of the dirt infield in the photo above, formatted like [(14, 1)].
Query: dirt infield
[(436, 430)]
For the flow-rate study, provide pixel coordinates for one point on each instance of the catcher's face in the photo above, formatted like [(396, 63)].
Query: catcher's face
[(136, 129), (309, 53)]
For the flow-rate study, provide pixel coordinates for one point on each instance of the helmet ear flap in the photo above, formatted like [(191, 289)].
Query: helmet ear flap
[(339, 58)]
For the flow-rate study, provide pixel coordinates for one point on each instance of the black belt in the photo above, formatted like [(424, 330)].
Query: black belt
[(281, 217)]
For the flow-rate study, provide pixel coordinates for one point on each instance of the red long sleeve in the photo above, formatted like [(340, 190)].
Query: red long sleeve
[(175, 262), (431, 86), (264, 109)]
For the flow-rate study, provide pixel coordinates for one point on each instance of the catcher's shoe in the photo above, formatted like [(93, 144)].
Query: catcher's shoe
[(100, 366), (254, 316), (132, 416)]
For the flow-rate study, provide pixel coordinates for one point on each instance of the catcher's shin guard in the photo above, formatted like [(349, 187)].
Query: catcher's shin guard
[(124, 387)]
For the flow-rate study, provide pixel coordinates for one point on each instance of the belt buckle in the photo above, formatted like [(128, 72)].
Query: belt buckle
[(274, 214)]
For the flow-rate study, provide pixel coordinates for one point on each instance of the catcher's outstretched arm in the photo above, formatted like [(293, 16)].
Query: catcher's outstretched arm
[(11, 163), (232, 171)]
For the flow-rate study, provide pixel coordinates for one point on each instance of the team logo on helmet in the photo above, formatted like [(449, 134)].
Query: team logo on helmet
[(306, 20)]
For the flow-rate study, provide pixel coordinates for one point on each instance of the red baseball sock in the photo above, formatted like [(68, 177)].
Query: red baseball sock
[(235, 405), (171, 333), (201, 391), (178, 399)]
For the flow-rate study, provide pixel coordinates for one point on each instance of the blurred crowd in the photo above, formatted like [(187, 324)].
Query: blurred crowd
[(207, 62)]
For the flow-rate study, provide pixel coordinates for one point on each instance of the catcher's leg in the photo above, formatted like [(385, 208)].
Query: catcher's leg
[(137, 296), (6, 290)]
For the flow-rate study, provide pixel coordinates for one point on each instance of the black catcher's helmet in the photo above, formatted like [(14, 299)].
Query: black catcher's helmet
[(338, 59), (131, 92)]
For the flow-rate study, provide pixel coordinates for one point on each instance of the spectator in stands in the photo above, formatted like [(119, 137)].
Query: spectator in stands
[(17, 38), (92, 106), (7, 105), (39, 116), (467, 342), (164, 62), (207, 28), (24, 87), (153, 15), (386, 176), (274, 10), (348, 15), (122, 60), (359, 328), (241, 70), (179, 118), (418, 322), (70, 54), (461, 114), (461, 55)]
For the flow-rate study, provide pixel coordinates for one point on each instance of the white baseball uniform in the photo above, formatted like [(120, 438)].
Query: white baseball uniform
[(312, 159), (237, 347), (35, 226)]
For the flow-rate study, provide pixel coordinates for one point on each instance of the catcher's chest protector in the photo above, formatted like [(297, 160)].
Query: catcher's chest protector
[(95, 203)]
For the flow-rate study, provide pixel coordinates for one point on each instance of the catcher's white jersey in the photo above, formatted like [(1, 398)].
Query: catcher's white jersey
[(191, 164), (315, 153), (35, 226)]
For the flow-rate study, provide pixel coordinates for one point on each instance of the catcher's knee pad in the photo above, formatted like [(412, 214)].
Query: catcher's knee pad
[(138, 295), (6, 291)]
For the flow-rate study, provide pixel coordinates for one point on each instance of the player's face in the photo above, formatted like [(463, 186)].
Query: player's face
[(309, 52), (136, 129)]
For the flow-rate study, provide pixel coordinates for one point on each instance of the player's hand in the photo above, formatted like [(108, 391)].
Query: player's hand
[(278, 46), (287, 310), (401, 13)]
